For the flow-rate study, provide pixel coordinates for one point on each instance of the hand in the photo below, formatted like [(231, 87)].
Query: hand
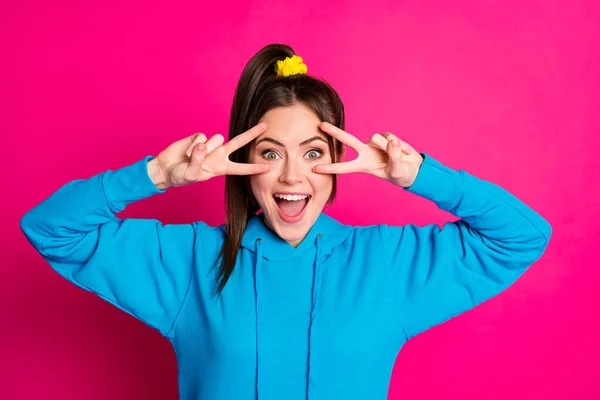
[(398, 164), (196, 159)]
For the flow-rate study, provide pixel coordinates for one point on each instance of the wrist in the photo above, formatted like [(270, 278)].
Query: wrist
[(157, 174), (417, 168)]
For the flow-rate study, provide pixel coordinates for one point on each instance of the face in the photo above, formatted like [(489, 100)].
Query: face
[(291, 195)]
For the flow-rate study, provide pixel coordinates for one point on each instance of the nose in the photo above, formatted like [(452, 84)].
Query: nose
[(291, 173)]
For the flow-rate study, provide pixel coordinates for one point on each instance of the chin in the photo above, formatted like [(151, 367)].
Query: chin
[(291, 228)]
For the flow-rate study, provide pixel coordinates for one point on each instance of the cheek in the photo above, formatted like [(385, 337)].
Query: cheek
[(323, 184), (261, 183)]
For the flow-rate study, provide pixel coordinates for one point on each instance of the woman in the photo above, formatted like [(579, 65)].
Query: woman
[(286, 303)]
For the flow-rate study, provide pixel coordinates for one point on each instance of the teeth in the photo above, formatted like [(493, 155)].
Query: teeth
[(290, 197)]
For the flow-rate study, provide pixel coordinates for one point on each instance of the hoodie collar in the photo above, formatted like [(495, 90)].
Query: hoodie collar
[(277, 249)]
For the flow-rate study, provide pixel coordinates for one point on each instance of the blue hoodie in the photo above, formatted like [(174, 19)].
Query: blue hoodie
[(321, 321)]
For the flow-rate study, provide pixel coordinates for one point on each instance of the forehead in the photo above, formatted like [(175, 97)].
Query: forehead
[(291, 124)]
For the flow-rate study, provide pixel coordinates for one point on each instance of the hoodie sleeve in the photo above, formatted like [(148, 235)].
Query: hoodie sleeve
[(439, 273), (141, 266)]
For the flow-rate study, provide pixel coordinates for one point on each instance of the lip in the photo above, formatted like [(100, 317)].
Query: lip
[(292, 193), (297, 218)]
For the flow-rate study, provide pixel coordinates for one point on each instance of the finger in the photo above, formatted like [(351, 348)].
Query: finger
[(195, 139), (214, 143), (342, 136), (211, 144), (403, 145), (244, 138), (234, 168), (183, 145), (198, 154), (394, 152), (347, 167), (379, 141)]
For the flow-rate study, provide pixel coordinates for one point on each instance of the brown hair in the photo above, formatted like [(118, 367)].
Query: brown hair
[(258, 91)]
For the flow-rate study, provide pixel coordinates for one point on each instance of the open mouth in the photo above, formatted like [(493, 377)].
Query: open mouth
[(291, 209)]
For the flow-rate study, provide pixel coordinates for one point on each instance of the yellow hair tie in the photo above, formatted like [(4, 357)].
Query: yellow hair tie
[(290, 66)]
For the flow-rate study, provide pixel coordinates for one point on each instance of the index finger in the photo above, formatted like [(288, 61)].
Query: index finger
[(346, 167), (342, 136), (234, 168), (244, 138)]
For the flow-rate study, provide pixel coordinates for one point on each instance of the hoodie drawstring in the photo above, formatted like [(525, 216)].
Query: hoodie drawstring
[(313, 309), (257, 290), (316, 287)]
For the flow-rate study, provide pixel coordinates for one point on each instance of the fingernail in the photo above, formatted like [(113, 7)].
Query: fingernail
[(394, 142)]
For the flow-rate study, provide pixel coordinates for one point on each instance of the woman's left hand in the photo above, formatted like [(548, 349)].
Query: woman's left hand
[(385, 156)]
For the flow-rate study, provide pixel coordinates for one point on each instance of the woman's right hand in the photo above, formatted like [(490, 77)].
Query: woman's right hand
[(196, 159)]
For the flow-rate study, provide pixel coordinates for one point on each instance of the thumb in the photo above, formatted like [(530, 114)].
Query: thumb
[(194, 169), (394, 167), (394, 152)]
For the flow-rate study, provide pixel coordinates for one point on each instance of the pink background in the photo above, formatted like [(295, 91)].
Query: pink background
[(507, 91)]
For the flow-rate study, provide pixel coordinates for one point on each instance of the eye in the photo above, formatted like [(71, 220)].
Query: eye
[(313, 154), (269, 155)]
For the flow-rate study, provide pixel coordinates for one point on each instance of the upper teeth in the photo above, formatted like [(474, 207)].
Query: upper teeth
[(292, 197)]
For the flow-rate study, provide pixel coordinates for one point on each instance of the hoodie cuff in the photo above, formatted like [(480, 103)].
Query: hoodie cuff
[(129, 184), (437, 182)]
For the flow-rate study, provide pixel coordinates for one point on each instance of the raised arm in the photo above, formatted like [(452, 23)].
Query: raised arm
[(440, 273), (141, 266)]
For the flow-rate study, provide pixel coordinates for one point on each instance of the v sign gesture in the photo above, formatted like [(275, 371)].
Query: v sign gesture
[(385, 156), (196, 159)]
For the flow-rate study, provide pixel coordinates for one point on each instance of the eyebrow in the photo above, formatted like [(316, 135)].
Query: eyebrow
[(268, 139)]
